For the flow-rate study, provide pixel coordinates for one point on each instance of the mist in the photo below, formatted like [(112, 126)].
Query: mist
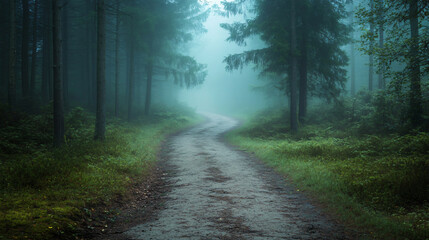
[(214, 119), (223, 91)]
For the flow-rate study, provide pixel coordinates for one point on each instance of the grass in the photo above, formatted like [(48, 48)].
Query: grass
[(45, 193), (377, 184)]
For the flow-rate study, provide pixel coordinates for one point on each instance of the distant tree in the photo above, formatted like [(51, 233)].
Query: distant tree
[(100, 122), (405, 41), (12, 56), (58, 81), (164, 25)]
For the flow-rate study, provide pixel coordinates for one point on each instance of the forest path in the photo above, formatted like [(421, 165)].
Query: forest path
[(217, 192)]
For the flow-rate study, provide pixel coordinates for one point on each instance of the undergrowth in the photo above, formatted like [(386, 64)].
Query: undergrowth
[(377, 182), (45, 193)]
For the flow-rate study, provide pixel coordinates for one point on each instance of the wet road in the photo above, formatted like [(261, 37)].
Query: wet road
[(221, 193)]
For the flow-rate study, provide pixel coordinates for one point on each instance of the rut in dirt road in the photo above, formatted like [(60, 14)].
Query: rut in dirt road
[(221, 193)]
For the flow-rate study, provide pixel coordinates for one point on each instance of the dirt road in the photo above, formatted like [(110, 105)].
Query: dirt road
[(217, 192)]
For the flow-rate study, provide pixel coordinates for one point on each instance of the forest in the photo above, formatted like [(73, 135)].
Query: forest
[(214, 119)]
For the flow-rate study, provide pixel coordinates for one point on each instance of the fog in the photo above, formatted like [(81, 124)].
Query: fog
[(223, 91)]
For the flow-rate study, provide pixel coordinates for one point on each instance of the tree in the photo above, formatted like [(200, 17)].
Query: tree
[(34, 52), (405, 43), (24, 47), (352, 50), (380, 16), (317, 25), (58, 80), (163, 26), (303, 63), (371, 49), (415, 88), (294, 70), (117, 58), (12, 56), (100, 122), (131, 64), (47, 52)]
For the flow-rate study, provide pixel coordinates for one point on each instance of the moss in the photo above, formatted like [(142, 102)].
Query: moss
[(376, 182), (46, 191)]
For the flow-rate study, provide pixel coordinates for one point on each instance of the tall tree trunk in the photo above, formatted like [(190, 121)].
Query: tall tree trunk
[(65, 54), (131, 74), (88, 55), (58, 81), (381, 81), (415, 91), (117, 60), (149, 74), (24, 48), (91, 55), (371, 49), (294, 72), (47, 40), (303, 84), (34, 53), (12, 56), (352, 52), (100, 123), (302, 112)]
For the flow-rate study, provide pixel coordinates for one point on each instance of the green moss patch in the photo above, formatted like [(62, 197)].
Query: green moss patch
[(45, 192), (377, 183)]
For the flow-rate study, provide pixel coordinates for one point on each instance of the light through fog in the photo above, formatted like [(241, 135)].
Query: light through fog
[(222, 91)]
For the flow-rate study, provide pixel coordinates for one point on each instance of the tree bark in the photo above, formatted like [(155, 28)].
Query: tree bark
[(294, 72), (149, 74), (131, 74), (65, 54), (46, 63), (100, 124), (47, 53), (34, 53), (352, 52), (381, 81), (415, 91), (371, 49), (302, 112), (24, 48), (12, 56), (117, 60), (58, 81)]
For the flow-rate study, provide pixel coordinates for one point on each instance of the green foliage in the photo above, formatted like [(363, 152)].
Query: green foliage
[(45, 192), (320, 35), (377, 181)]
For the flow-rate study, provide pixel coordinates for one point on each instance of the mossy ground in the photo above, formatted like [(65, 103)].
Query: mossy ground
[(47, 192), (378, 184)]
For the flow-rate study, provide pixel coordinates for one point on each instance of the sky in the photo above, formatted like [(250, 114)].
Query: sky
[(222, 91)]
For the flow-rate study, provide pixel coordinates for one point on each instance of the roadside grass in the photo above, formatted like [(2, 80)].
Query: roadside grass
[(377, 184), (45, 193)]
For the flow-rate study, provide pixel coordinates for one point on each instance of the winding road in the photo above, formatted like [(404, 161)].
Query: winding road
[(218, 192)]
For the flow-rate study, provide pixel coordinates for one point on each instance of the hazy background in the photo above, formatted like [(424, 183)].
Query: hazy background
[(222, 91)]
